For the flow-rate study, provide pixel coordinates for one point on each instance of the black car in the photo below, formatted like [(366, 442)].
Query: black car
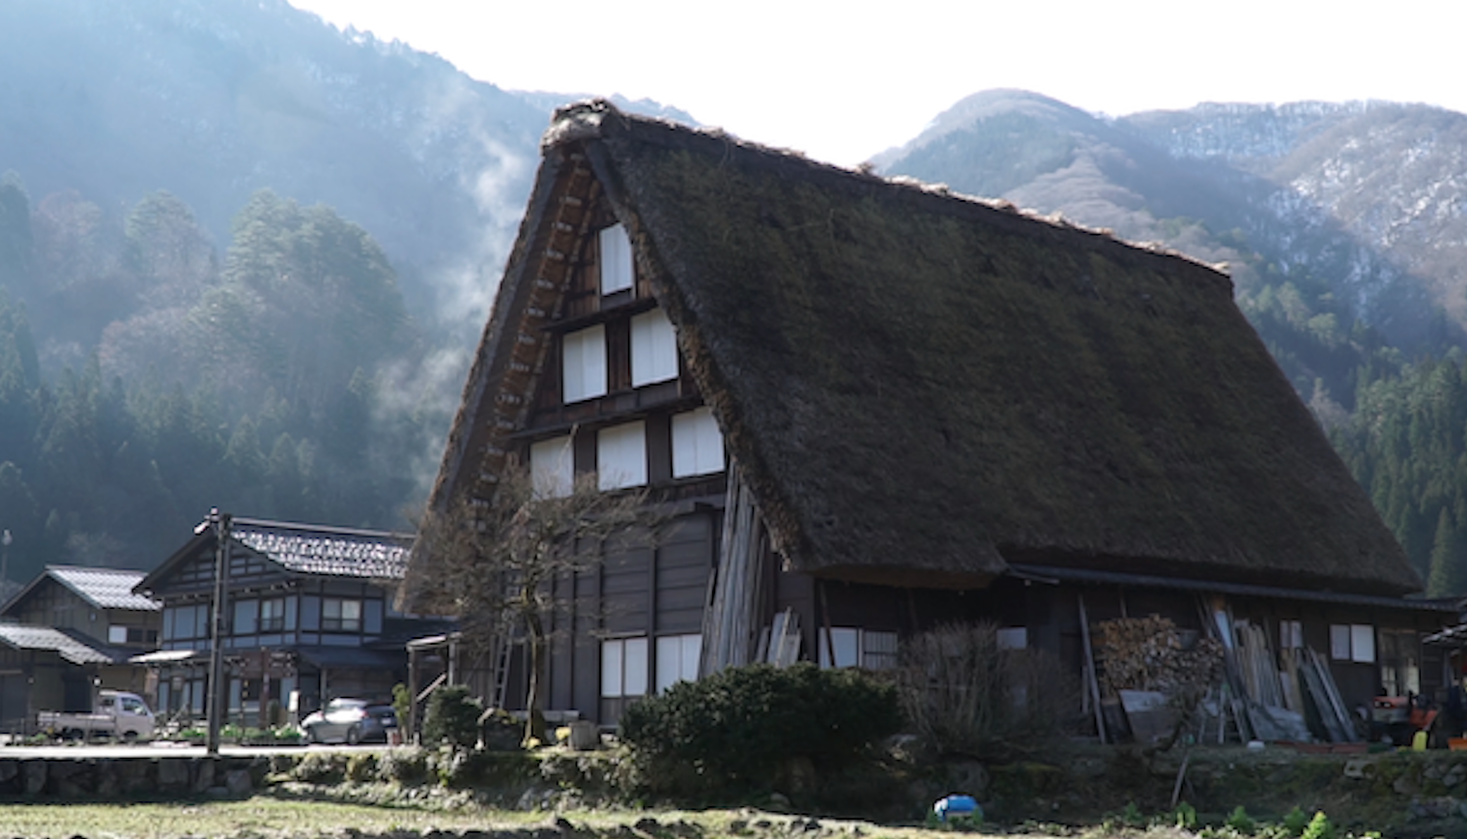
[(350, 721)]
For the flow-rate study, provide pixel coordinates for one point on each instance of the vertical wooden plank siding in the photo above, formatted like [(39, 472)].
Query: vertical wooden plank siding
[(732, 622)]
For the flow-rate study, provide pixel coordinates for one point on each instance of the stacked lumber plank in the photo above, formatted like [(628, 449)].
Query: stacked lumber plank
[(737, 587), (1256, 665)]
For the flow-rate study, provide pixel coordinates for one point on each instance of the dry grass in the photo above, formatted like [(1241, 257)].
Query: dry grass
[(264, 817), (257, 817)]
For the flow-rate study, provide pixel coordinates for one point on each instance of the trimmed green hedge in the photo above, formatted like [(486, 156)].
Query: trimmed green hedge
[(738, 728), (453, 718)]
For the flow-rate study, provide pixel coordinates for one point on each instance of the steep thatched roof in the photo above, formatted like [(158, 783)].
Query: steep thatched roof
[(919, 387)]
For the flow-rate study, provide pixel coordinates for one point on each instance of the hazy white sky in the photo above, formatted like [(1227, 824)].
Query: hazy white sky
[(842, 81)]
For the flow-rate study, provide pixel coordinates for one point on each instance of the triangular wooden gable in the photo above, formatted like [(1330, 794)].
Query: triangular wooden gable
[(555, 292)]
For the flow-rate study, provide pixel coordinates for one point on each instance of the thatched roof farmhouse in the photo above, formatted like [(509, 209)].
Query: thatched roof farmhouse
[(917, 390)]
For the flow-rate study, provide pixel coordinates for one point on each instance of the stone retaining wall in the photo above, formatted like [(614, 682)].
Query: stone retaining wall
[(130, 778)]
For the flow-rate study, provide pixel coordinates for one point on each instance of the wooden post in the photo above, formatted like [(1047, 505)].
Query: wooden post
[(825, 621), (218, 679), (1094, 681), (412, 685)]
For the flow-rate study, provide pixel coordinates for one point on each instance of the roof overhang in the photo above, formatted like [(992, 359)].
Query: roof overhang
[(1452, 636), (1057, 574)]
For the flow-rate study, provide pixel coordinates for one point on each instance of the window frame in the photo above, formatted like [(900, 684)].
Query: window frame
[(583, 353), (855, 646), (615, 442), (696, 438), (653, 348), (618, 680), (674, 655), (618, 268), (271, 623), (340, 622), (553, 467), (1352, 642)]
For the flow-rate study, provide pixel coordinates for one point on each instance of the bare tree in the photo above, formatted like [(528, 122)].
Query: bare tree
[(492, 562)]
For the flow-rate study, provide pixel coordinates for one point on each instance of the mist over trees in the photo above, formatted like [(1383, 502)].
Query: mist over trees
[(157, 358), (173, 380)]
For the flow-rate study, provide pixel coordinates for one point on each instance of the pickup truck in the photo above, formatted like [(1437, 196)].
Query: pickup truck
[(118, 715)]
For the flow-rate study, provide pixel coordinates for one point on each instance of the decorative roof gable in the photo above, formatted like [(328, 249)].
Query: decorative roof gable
[(105, 588), (304, 549), (296, 548), (101, 588)]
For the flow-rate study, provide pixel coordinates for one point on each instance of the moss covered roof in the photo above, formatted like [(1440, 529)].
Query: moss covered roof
[(919, 387)]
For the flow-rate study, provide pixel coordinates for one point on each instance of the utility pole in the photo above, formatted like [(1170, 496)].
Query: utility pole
[(221, 523)]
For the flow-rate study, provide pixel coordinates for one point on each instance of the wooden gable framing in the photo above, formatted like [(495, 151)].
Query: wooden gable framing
[(514, 392)]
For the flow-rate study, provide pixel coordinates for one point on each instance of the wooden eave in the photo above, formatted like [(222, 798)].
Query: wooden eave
[(158, 577), (636, 306), (519, 352)]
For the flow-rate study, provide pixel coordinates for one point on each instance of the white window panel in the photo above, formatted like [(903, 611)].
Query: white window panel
[(1362, 643), (583, 364), (621, 456), (1291, 634), (634, 676), (1013, 638), (677, 659), (552, 467), (847, 643), (697, 444), (654, 348), (1339, 642), (117, 635), (669, 661), (616, 260), (692, 655), (612, 654)]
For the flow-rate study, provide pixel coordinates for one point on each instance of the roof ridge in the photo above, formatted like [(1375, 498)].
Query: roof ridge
[(319, 528), (591, 119)]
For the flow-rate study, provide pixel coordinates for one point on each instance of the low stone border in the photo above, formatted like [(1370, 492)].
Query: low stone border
[(130, 778)]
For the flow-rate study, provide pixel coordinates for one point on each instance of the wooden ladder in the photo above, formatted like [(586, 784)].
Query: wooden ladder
[(503, 648)]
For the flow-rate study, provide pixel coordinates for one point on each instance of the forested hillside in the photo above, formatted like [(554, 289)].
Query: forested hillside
[(1341, 226), (194, 313), (244, 257), (215, 99), (254, 381)]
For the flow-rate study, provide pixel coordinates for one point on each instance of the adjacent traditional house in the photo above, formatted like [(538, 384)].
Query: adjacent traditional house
[(68, 632), (308, 618), (876, 406), (98, 603)]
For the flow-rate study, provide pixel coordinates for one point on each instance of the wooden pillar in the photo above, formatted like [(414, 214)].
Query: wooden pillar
[(412, 721)]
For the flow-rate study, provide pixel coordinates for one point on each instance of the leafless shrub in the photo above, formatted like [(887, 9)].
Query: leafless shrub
[(492, 563), (963, 692)]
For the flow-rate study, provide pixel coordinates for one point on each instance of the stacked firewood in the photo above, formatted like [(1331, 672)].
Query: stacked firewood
[(1147, 654)]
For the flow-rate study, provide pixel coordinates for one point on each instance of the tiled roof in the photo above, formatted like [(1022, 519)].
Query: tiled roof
[(336, 552), (106, 588), (23, 637)]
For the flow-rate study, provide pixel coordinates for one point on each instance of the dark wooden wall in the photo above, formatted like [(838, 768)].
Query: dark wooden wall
[(639, 590)]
